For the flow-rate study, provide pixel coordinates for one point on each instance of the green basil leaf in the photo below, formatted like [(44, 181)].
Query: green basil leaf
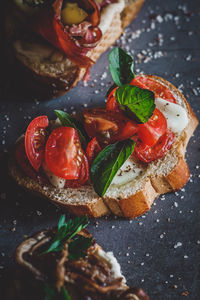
[(76, 225), (65, 294), (51, 293), (137, 103), (108, 162), (121, 66), (69, 121), (61, 222), (77, 248), (66, 231)]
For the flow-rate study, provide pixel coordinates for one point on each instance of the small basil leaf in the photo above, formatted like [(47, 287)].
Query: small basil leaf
[(76, 225), (51, 293), (67, 120), (66, 230), (77, 248), (65, 294), (121, 66), (108, 162), (137, 103), (61, 222)]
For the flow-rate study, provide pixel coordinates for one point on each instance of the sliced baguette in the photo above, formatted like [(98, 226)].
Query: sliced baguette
[(134, 198), (47, 71)]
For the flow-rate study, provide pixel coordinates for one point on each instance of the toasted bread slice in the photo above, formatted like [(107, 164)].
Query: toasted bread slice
[(46, 70), (96, 276), (132, 198)]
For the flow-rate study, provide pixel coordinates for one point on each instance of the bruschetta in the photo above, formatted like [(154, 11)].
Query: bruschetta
[(66, 263), (117, 158)]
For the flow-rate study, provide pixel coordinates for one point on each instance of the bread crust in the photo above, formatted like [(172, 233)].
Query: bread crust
[(49, 85), (129, 206)]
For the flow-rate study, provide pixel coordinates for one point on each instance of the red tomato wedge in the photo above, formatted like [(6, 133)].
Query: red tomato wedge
[(150, 132), (83, 175), (111, 104), (63, 153), (108, 127), (93, 148), (147, 154), (35, 139), (159, 89)]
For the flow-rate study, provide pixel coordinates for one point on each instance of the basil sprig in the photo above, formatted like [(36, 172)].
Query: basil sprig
[(67, 120), (137, 103), (121, 66), (108, 162), (67, 231), (51, 293)]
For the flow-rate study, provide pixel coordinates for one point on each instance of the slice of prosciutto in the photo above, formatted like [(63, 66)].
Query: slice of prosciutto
[(75, 41)]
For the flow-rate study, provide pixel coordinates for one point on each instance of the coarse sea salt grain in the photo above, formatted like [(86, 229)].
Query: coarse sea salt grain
[(178, 244)]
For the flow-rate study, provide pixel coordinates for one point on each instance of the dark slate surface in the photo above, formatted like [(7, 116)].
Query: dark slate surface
[(159, 251)]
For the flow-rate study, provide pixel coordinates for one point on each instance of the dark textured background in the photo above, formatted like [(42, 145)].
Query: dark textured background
[(159, 251)]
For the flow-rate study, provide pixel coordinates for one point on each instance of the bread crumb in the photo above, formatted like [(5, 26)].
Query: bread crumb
[(186, 293)]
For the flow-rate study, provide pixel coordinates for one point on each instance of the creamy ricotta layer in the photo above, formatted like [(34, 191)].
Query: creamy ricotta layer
[(175, 114), (115, 266), (56, 181), (128, 172), (108, 13)]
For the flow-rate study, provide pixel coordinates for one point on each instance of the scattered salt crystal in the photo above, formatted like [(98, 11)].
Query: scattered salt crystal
[(178, 244), (159, 19), (189, 57), (104, 75)]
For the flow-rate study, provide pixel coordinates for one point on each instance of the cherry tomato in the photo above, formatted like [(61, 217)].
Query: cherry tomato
[(35, 139), (150, 132), (108, 127), (147, 154), (83, 175), (111, 104), (63, 153), (25, 165), (93, 148), (159, 89)]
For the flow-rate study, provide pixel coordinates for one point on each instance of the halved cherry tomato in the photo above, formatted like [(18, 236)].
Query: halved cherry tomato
[(63, 153), (25, 165), (111, 104), (35, 138), (147, 154), (93, 148), (150, 132), (108, 127), (83, 175), (159, 89)]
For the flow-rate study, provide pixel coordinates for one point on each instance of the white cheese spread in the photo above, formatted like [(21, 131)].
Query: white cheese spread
[(108, 13), (176, 115), (115, 266), (128, 172), (56, 181)]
